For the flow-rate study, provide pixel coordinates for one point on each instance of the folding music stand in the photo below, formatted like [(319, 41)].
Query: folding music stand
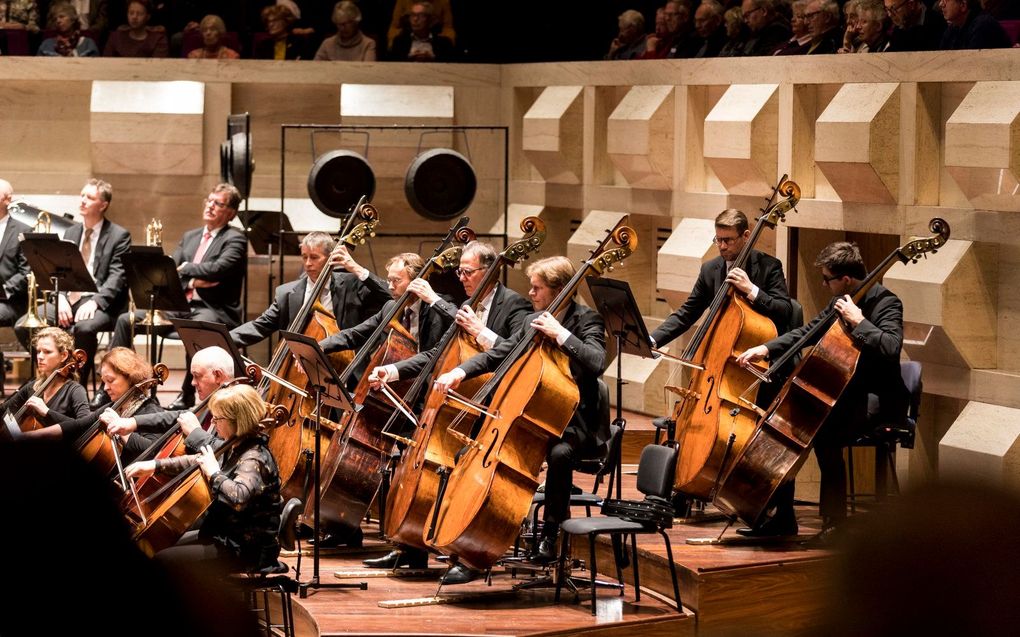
[(615, 302), (198, 335), (56, 264), (155, 285), (329, 390), (269, 230)]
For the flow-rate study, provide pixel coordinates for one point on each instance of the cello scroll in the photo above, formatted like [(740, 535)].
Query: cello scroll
[(534, 237), (919, 247), (626, 239)]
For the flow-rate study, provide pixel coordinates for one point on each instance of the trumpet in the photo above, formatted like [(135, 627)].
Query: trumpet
[(153, 318)]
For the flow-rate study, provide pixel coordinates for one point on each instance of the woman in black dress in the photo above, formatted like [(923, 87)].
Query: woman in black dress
[(64, 395)]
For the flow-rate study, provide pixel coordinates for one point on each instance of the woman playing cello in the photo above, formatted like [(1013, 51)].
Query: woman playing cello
[(239, 531), (63, 395)]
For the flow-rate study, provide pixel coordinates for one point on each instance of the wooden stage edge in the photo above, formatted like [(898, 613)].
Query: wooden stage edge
[(773, 589)]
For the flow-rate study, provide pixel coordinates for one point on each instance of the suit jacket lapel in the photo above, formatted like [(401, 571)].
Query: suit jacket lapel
[(296, 299), (497, 300), (104, 235)]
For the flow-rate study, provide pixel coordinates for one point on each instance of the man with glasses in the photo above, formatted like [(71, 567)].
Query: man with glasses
[(762, 284), (212, 261), (823, 24), (876, 328), (970, 27), (915, 26), (769, 28)]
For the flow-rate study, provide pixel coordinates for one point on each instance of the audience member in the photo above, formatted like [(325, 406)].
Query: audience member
[(851, 33), (916, 26), (801, 40), (654, 43), (629, 42), (213, 48), (19, 14), (823, 23), (68, 42), (401, 20), (769, 28), (685, 39), (93, 15), (736, 33), (970, 27), (349, 44), (137, 39), (420, 43), (872, 27), (282, 43), (708, 22)]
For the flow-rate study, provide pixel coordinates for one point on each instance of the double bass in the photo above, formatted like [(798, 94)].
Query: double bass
[(182, 500), (783, 437), (711, 423), (23, 420), (533, 398), (289, 443), (350, 472), (95, 447), (430, 451)]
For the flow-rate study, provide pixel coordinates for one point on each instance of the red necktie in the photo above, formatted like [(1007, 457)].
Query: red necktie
[(202, 247)]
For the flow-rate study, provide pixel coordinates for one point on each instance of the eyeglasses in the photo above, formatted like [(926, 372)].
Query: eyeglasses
[(466, 272), (826, 279), (810, 16), (216, 419), (217, 204), (725, 241)]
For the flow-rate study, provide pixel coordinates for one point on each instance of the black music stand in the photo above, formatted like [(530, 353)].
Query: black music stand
[(329, 390), (56, 264), (615, 302), (155, 285), (198, 335), (269, 230)]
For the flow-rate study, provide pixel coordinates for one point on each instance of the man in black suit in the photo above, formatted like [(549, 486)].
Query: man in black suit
[(353, 293), (581, 333), (212, 261), (501, 313), (103, 245), (876, 327), (763, 284), (425, 323), (13, 266)]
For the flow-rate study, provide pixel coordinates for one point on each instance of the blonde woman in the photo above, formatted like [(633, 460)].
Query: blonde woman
[(64, 396)]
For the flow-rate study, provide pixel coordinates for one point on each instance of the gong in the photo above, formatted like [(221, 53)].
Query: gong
[(440, 184), (338, 180), (237, 163)]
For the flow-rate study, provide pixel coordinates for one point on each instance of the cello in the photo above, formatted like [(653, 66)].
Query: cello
[(350, 472), (711, 426), (178, 504), (417, 479), (289, 443), (23, 420), (92, 445), (781, 442), (533, 398)]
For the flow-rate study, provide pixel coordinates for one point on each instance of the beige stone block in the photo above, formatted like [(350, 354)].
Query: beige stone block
[(983, 445), (857, 142), (553, 134), (681, 257), (640, 137), (950, 305), (742, 138)]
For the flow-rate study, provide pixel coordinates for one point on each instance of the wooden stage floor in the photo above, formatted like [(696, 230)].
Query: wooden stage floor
[(772, 589)]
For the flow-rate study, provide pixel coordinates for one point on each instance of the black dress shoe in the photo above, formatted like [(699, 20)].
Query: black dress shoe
[(826, 539), (777, 526), (100, 400), (396, 558), (546, 551), (182, 402), (460, 574)]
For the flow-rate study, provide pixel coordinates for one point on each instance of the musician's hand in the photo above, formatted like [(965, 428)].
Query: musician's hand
[(341, 257), (424, 291), (752, 355), (64, 315), (37, 405), (86, 311), (469, 321), (849, 311), (188, 422), (202, 283), (141, 469), (738, 279), (379, 377), (450, 380), (548, 325), (117, 426), (207, 461)]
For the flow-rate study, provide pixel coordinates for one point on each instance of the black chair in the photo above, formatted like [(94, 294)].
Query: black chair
[(884, 436), (260, 585), (655, 481)]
